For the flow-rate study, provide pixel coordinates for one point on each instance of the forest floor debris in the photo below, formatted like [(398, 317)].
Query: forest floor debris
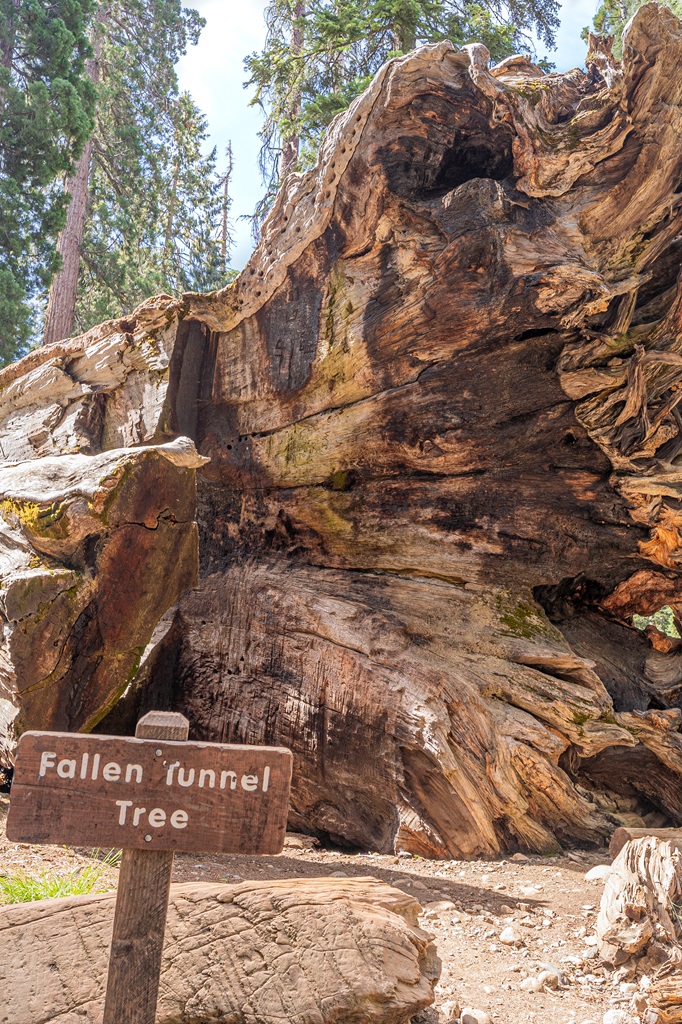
[(516, 936)]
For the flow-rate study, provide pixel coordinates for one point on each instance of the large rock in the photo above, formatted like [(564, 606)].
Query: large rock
[(308, 951), (441, 409)]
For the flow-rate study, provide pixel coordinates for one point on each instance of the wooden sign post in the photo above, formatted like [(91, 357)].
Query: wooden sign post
[(151, 795)]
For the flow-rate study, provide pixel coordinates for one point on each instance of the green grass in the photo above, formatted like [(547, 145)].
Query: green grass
[(23, 887)]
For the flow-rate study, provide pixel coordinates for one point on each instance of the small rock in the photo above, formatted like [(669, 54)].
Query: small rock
[(624, 973), (554, 970), (548, 979), (338, 874), (511, 937), (505, 910), (639, 1002), (591, 953), (519, 858), (531, 985), (438, 907), (451, 1010), (599, 873), (472, 1016), (617, 1017)]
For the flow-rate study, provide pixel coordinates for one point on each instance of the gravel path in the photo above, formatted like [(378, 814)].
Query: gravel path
[(516, 937)]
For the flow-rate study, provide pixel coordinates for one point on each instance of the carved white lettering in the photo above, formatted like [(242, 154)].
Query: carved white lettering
[(47, 760), (137, 814), (224, 776), (157, 817), (124, 805), (111, 771), (137, 768), (266, 778), (206, 774), (84, 765), (186, 779), (95, 767), (178, 819), (249, 782), (169, 772), (66, 769)]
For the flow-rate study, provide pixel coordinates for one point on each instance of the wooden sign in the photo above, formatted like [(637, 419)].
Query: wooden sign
[(152, 795), (149, 794)]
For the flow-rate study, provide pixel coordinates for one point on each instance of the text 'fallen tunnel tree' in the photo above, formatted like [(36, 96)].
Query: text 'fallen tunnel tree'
[(441, 411)]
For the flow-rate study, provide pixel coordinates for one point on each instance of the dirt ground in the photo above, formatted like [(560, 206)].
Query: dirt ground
[(547, 902)]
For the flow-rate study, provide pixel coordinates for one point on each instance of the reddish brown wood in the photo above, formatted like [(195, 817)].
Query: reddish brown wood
[(222, 798), (625, 835)]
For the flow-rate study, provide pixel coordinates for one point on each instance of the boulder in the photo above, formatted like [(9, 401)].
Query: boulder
[(304, 950)]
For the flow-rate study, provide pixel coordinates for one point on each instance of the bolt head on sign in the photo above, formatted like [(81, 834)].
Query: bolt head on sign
[(84, 790)]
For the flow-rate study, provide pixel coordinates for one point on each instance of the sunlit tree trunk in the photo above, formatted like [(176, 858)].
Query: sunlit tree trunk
[(61, 305), (290, 145)]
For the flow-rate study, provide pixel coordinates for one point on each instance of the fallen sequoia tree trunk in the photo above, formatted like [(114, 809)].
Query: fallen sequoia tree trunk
[(441, 410), (306, 951)]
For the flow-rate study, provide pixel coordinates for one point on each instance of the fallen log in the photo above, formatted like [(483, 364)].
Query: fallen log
[(441, 409), (308, 951), (625, 835)]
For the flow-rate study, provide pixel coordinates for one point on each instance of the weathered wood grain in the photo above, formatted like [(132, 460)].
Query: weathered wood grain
[(136, 793), (441, 410), (309, 951), (134, 968), (638, 907), (625, 835), (94, 548)]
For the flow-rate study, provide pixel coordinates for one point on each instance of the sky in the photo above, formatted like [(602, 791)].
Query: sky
[(213, 71)]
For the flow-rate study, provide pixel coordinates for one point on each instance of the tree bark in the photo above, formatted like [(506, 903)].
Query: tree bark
[(7, 44), (61, 306), (290, 144), (225, 231), (441, 411)]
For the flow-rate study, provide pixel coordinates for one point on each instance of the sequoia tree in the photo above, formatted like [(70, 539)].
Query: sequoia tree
[(146, 204), (46, 107), (441, 409)]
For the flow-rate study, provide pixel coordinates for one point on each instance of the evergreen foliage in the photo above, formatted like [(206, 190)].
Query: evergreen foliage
[(155, 201), (320, 54), (613, 15), (46, 109)]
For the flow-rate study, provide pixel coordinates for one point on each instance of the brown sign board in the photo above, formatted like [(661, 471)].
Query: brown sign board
[(85, 790)]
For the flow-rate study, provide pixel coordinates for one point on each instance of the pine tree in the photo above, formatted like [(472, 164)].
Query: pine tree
[(152, 211), (613, 15), (46, 110), (319, 54)]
